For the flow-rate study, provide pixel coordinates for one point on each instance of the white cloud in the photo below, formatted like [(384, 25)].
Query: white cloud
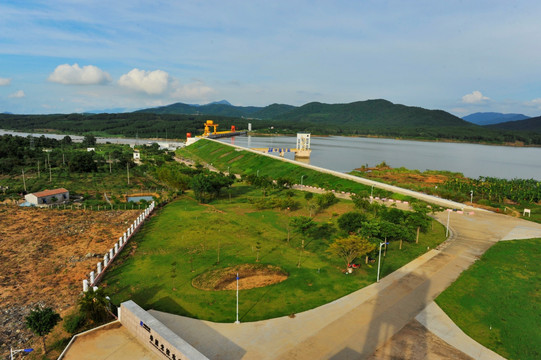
[(195, 91), (5, 81), (18, 94), (475, 97), (151, 82), (537, 101), (75, 75)]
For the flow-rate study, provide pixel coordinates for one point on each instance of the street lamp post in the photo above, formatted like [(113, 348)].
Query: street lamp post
[(447, 227), (301, 179), (379, 257), (13, 352)]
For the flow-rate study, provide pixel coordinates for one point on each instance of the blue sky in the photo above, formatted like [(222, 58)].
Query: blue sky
[(66, 56)]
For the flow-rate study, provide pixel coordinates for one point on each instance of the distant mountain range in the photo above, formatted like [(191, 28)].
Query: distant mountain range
[(378, 117), (489, 118), (369, 113), (221, 108), (361, 117)]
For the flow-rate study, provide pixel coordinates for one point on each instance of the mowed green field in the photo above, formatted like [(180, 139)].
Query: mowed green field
[(498, 300), (155, 270)]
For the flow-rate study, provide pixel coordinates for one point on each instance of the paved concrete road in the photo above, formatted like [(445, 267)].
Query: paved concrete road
[(356, 325), (108, 342)]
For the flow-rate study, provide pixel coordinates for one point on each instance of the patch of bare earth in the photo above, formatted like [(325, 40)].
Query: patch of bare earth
[(45, 255), (250, 276)]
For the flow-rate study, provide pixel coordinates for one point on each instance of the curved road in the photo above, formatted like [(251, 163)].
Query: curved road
[(354, 326)]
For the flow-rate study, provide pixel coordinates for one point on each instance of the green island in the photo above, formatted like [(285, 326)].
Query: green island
[(497, 300)]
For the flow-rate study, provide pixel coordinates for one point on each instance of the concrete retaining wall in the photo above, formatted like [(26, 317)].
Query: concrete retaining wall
[(150, 332)]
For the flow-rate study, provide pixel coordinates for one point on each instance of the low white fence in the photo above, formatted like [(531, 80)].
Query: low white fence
[(95, 276)]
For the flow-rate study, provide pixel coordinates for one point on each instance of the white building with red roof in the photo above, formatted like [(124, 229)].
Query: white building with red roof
[(48, 197)]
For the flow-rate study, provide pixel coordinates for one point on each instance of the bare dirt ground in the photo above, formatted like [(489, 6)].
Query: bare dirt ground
[(250, 277), (414, 341), (45, 255), (386, 174)]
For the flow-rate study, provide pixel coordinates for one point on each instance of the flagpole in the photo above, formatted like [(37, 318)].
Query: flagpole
[(237, 322)]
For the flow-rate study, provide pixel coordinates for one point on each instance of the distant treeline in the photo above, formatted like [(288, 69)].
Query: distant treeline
[(173, 126), (19, 153)]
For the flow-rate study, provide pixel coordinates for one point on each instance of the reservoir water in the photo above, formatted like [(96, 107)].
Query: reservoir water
[(344, 154)]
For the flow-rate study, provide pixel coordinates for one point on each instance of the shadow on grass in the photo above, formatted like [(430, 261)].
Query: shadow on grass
[(256, 303), (169, 305)]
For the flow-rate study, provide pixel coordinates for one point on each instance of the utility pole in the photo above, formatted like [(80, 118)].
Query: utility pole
[(38, 169), (128, 170), (50, 173), (24, 182), (110, 164)]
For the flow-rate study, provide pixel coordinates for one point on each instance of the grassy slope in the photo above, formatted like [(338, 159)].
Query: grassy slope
[(498, 300), (157, 273), (225, 157)]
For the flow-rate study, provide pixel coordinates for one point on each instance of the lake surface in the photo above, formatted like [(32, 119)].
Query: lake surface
[(344, 154), (347, 153), (99, 140), (139, 198)]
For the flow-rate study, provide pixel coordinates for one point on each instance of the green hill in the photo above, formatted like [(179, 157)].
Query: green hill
[(213, 109), (531, 125), (365, 118), (372, 114)]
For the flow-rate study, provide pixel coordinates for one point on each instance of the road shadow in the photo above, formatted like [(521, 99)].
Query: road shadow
[(392, 309)]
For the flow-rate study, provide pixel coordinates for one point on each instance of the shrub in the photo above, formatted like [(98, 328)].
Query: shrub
[(74, 322)]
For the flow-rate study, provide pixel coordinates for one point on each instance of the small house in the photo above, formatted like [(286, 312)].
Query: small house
[(48, 197)]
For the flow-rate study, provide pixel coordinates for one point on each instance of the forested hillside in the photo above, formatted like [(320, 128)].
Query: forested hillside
[(532, 124), (363, 118)]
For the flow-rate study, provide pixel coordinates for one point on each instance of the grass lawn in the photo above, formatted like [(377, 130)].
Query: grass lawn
[(183, 239), (498, 300), (225, 157)]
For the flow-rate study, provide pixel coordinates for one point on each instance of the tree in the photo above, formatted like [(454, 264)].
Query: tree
[(351, 221), (323, 201), (360, 201), (302, 225), (83, 161), (207, 186), (41, 322), (351, 247), (66, 140), (89, 140), (308, 196), (95, 305)]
